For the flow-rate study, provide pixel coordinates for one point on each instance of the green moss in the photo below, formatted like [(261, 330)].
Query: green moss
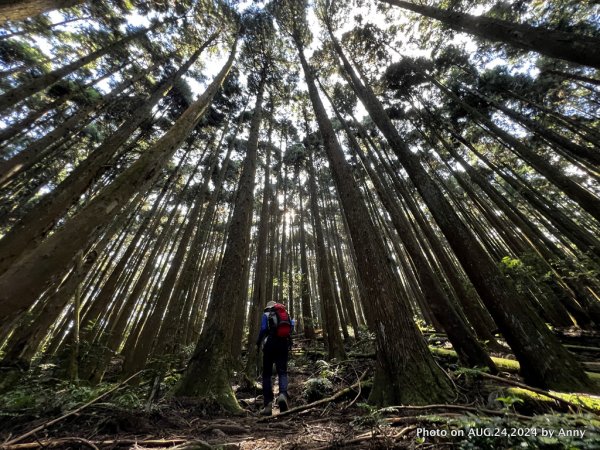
[(532, 397), (507, 365), (503, 364), (595, 377)]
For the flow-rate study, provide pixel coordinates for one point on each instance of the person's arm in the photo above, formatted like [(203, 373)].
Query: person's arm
[(263, 329), (291, 339)]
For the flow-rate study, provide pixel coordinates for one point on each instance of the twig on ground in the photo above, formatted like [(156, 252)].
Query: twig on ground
[(69, 414), (359, 391), (86, 442)]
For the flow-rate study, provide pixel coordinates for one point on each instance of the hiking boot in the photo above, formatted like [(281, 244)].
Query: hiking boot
[(267, 410), (282, 402)]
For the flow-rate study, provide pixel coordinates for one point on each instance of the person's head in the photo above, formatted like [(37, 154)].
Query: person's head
[(270, 305)]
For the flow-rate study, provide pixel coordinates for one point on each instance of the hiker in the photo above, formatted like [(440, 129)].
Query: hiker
[(276, 338)]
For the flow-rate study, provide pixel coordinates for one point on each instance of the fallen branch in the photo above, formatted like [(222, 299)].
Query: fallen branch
[(69, 414), (314, 404), (538, 391), (456, 408), (49, 443)]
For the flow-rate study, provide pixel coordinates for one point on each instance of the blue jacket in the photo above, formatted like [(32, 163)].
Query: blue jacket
[(264, 327)]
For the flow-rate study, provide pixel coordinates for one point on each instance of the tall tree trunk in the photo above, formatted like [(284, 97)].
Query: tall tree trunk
[(283, 251), (343, 276), (102, 303), (536, 239), (460, 334), (335, 346), (15, 95), (165, 341), (43, 147), (573, 149), (571, 47), (478, 316), (307, 317), (585, 241), (572, 76), (259, 297), (192, 268), (586, 199), (74, 362), (22, 125)]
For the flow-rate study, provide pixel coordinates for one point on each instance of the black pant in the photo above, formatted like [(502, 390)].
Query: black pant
[(275, 352)]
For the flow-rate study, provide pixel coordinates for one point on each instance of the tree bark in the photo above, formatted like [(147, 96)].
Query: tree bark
[(460, 334), (15, 95), (335, 347), (259, 298), (43, 147), (586, 199), (307, 316)]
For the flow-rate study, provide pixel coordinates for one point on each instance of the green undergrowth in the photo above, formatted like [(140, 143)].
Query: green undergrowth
[(37, 396), (320, 385)]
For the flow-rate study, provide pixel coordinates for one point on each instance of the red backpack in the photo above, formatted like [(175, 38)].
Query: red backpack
[(279, 321)]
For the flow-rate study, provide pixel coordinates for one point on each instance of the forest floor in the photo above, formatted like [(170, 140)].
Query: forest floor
[(487, 413)]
